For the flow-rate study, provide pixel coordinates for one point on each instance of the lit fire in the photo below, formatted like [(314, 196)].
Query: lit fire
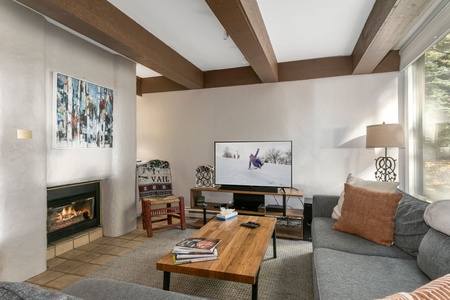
[(68, 212)]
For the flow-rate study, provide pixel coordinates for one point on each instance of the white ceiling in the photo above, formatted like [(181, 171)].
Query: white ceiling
[(298, 29)]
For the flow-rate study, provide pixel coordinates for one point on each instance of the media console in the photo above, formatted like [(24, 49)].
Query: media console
[(198, 191)]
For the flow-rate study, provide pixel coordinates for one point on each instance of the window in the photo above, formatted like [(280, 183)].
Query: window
[(429, 122)]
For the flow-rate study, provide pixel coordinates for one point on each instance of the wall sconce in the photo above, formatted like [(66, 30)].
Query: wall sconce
[(385, 136), (24, 134)]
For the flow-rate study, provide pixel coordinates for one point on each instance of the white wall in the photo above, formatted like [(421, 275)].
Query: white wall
[(325, 118), (31, 49)]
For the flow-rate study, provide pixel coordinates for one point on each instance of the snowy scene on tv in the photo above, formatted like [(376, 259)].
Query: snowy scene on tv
[(254, 163)]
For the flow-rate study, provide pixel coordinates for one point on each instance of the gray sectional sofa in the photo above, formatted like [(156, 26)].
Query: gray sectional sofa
[(346, 266), (89, 289)]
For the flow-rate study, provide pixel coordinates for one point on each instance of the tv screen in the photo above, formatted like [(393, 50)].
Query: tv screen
[(253, 165)]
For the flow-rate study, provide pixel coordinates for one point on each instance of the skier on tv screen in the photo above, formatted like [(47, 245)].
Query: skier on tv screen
[(255, 160)]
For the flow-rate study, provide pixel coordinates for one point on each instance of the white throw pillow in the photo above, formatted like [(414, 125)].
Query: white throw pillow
[(437, 216), (378, 186)]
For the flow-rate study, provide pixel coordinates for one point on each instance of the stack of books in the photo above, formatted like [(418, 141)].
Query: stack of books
[(194, 250)]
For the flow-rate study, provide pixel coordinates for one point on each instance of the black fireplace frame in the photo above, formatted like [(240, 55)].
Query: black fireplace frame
[(64, 194)]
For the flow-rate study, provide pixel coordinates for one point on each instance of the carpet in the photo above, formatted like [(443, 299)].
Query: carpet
[(289, 276)]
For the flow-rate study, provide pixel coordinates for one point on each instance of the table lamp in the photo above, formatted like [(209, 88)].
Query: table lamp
[(385, 136)]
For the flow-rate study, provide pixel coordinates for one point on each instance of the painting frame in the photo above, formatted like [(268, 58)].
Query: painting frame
[(83, 113)]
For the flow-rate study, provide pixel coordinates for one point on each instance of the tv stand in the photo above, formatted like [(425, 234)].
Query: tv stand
[(195, 192), (263, 189)]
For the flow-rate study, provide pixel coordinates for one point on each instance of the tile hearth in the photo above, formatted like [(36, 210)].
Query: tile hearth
[(79, 239), (74, 257)]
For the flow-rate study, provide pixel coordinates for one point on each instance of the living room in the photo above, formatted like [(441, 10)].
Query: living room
[(325, 118)]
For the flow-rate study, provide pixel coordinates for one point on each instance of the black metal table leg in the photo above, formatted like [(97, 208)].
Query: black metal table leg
[(166, 283), (274, 238), (204, 214), (255, 287)]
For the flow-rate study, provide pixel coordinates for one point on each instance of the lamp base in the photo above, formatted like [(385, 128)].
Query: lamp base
[(385, 168)]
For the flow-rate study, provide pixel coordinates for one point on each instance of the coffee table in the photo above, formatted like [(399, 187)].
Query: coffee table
[(241, 252)]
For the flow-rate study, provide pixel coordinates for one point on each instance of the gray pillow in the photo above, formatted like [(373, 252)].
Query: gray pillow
[(434, 258), (437, 216), (410, 227)]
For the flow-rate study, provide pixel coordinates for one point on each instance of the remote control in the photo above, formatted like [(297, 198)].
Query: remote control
[(250, 224)]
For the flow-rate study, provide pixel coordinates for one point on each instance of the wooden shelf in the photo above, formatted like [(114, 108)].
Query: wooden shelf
[(290, 212), (197, 191), (296, 233)]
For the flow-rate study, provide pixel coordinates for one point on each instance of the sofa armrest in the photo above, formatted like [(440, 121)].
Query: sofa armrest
[(21, 290), (108, 289), (323, 205)]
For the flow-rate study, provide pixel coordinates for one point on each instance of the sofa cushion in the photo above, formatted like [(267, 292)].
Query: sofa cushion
[(438, 289), (410, 227), (437, 216), (343, 275), (324, 236), (379, 186), (21, 290), (434, 255), (368, 214)]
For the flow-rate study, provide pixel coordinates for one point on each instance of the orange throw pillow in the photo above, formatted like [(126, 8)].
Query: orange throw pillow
[(368, 214), (438, 289)]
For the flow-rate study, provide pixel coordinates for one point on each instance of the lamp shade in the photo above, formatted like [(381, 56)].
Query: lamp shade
[(385, 136)]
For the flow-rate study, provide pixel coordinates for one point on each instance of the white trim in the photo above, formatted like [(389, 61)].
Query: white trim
[(435, 27)]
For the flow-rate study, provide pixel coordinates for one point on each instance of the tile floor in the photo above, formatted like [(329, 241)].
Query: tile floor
[(71, 266)]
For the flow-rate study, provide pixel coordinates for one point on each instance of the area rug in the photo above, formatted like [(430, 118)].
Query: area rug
[(289, 276)]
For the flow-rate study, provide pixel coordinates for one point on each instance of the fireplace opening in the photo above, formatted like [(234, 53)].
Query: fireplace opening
[(72, 208)]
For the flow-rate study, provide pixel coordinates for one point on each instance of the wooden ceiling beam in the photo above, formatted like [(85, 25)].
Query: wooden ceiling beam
[(384, 28), (156, 84), (243, 22), (316, 68), (230, 77), (288, 71), (102, 22)]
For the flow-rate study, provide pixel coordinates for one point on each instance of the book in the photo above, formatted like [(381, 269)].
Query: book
[(183, 255), (203, 245), (192, 260)]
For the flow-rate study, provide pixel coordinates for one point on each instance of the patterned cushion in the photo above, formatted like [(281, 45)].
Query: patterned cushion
[(438, 289), (368, 214), (154, 179)]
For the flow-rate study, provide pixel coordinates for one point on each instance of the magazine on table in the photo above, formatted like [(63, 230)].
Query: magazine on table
[(201, 245), (193, 260), (182, 255)]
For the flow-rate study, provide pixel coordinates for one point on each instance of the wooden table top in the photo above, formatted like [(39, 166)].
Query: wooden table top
[(241, 250)]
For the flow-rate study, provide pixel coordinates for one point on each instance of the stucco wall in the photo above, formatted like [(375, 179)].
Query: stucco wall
[(30, 51), (325, 118)]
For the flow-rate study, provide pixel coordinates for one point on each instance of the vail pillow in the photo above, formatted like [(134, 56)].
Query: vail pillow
[(379, 186), (368, 214), (438, 289), (437, 216)]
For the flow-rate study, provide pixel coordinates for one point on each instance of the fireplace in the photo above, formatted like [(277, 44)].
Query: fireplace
[(72, 208)]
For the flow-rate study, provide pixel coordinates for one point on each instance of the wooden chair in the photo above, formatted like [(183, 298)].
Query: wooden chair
[(155, 193), (152, 211)]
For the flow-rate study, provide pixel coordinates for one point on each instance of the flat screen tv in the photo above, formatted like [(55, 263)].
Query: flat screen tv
[(252, 165)]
